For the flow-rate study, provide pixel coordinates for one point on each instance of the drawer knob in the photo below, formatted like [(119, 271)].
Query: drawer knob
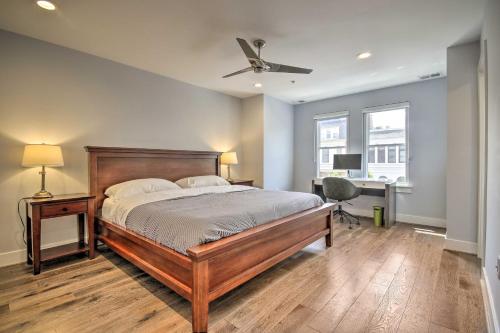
[(65, 209)]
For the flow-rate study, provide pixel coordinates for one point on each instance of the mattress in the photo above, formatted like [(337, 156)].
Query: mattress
[(180, 219)]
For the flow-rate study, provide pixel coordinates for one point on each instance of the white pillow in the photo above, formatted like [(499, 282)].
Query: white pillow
[(201, 181), (137, 186)]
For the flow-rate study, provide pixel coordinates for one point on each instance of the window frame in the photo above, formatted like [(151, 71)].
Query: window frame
[(328, 116), (382, 108)]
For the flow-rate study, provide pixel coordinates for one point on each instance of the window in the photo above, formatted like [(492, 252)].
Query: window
[(386, 142), (371, 154), (391, 154), (325, 156), (402, 154), (380, 154), (331, 139)]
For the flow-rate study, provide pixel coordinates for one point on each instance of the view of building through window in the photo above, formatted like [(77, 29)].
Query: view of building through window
[(386, 145), (331, 139)]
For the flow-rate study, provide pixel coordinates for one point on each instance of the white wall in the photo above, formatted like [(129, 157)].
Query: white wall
[(427, 135), (462, 152), (278, 144), (252, 139), (60, 96), (491, 32)]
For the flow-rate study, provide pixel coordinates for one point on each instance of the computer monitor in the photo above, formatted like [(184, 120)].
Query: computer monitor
[(347, 161)]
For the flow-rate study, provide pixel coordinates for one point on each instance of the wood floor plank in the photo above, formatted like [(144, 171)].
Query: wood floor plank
[(471, 309), (294, 321), (327, 319), (418, 312), (445, 310), (364, 281), (389, 313)]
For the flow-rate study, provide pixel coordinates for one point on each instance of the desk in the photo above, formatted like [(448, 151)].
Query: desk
[(373, 188)]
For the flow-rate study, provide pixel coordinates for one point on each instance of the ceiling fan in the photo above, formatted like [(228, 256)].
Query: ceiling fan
[(258, 65)]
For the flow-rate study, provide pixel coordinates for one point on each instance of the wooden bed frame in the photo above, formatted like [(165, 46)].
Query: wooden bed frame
[(210, 270)]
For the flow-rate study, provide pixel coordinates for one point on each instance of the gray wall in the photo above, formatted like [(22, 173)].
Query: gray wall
[(60, 96), (491, 32), (278, 144), (462, 154), (252, 139), (427, 141)]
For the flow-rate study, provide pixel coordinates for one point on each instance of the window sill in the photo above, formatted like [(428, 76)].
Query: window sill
[(404, 188)]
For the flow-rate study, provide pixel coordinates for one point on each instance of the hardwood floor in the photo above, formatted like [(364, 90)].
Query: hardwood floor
[(396, 280)]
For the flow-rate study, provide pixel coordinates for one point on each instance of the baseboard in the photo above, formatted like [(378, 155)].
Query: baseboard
[(421, 220), (403, 218), (489, 308), (19, 256), (460, 246)]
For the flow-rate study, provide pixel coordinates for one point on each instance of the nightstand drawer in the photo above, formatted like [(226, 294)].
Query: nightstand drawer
[(67, 208)]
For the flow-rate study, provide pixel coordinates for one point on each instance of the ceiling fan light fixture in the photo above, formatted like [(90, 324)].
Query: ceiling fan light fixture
[(257, 85), (364, 55), (46, 5)]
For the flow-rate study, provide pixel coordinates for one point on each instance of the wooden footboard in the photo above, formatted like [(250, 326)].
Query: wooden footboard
[(215, 268)]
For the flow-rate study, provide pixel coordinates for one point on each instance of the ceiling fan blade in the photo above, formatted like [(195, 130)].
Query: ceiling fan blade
[(249, 52), (244, 70), (287, 69)]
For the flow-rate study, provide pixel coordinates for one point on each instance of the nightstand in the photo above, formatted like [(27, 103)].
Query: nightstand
[(247, 182), (58, 205)]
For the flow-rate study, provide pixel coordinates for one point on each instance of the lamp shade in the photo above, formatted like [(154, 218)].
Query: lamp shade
[(42, 154), (229, 158)]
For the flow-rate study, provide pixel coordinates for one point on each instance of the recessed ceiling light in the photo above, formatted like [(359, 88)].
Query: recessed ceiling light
[(401, 67), (257, 85), (46, 4), (364, 55)]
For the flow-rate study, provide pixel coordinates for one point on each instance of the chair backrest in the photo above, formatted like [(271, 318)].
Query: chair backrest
[(336, 188)]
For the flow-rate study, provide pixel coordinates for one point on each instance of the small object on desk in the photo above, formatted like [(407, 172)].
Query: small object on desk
[(247, 182), (58, 205), (229, 158), (42, 155)]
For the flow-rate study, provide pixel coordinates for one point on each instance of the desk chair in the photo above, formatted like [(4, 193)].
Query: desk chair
[(341, 189)]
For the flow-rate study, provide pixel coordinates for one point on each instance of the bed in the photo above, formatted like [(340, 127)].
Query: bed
[(206, 271)]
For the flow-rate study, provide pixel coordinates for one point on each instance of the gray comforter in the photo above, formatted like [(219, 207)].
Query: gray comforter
[(182, 223)]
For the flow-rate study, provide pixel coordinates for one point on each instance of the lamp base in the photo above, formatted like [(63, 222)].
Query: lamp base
[(42, 195)]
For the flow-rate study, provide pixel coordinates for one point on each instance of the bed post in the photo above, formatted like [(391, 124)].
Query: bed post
[(199, 300)]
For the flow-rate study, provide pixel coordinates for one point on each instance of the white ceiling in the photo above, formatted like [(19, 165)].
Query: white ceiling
[(194, 40)]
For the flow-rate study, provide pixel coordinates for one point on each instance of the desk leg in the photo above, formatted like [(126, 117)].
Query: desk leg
[(90, 228), (328, 238), (36, 221), (390, 205)]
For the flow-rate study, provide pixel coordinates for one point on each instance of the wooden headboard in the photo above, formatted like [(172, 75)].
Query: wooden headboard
[(110, 165)]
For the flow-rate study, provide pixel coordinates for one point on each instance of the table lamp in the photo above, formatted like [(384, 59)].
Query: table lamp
[(42, 155), (229, 158)]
